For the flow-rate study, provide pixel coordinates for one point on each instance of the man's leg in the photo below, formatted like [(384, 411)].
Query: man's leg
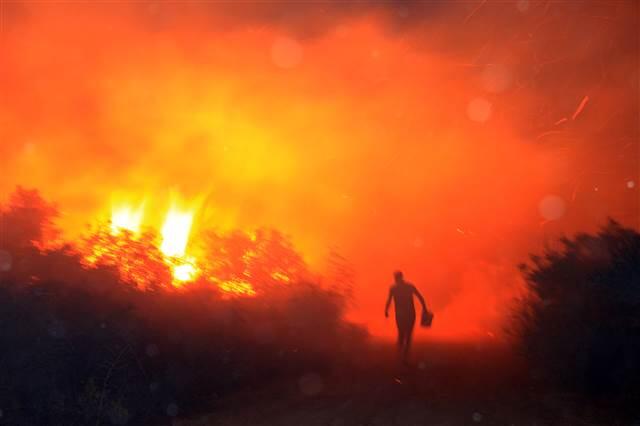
[(401, 338), (407, 344)]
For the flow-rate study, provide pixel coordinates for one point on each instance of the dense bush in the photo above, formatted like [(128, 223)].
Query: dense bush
[(579, 326), (83, 346)]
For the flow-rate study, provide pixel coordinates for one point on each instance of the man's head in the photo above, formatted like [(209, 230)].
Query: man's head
[(398, 276)]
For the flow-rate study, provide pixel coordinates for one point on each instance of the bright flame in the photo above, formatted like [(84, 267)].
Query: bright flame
[(126, 217), (175, 232), (184, 272), (175, 237)]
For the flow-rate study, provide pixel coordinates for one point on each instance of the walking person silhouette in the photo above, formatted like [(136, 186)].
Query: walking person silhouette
[(402, 292)]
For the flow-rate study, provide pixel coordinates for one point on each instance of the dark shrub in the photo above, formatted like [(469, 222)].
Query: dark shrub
[(83, 345), (579, 326)]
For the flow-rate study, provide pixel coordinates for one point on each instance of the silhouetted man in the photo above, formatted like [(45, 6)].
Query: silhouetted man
[(402, 294)]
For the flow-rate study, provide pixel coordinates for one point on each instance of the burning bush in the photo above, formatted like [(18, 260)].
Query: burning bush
[(81, 345), (579, 325), (138, 259), (261, 261)]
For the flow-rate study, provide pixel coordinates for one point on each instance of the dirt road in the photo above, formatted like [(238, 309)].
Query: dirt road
[(447, 384)]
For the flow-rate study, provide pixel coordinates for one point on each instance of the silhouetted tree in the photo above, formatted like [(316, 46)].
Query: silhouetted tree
[(579, 325), (27, 219)]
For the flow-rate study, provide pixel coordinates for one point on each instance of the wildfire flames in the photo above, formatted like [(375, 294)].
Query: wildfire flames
[(175, 238), (148, 255), (449, 142), (126, 218), (184, 272), (174, 233)]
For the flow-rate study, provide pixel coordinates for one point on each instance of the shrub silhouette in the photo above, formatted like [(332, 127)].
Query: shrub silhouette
[(579, 326), (82, 345), (28, 221)]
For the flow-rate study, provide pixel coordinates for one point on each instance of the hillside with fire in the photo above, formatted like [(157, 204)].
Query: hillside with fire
[(319, 212)]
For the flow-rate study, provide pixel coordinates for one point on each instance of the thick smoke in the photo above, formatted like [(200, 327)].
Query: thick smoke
[(448, 141)]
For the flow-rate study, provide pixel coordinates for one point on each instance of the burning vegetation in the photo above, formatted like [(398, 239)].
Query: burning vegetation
[(447, 139), (108, 329), (236, 262)]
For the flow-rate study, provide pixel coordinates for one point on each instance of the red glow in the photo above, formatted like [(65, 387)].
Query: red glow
[(380, 143)]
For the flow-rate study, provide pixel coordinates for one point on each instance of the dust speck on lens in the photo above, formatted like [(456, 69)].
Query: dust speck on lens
[(172, 409), (5, 261), (311, 384)]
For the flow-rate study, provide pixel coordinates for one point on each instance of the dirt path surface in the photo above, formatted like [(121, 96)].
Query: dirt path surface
[(446, 385)]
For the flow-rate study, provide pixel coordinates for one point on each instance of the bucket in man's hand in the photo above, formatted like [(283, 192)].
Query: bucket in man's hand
[(427, 318)]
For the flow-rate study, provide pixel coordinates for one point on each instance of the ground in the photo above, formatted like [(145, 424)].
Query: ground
[(446, 384)]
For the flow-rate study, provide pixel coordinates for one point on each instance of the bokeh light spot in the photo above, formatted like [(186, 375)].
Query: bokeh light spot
[(5, 261), (552, 207), (172, 409), (418, 242), (57, 330), (286, 52), (522, 5), (496, 78), (29, 149), (479, 110), (311, 384), (152, 350), (403, 11)]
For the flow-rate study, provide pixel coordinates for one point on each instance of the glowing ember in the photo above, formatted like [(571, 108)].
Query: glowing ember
[(175, 232), (279, 276), (240, 288), (127, 218)]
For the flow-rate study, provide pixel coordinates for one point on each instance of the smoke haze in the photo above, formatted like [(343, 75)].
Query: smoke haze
[(448, 141)]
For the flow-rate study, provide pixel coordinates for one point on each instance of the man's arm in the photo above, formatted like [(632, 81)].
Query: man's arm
[(386, 307), (420, 298)]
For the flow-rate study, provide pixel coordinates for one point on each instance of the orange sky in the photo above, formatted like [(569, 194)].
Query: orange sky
[(448, 141)]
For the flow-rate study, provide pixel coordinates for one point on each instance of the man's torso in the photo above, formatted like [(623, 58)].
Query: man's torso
[(403, 299)]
